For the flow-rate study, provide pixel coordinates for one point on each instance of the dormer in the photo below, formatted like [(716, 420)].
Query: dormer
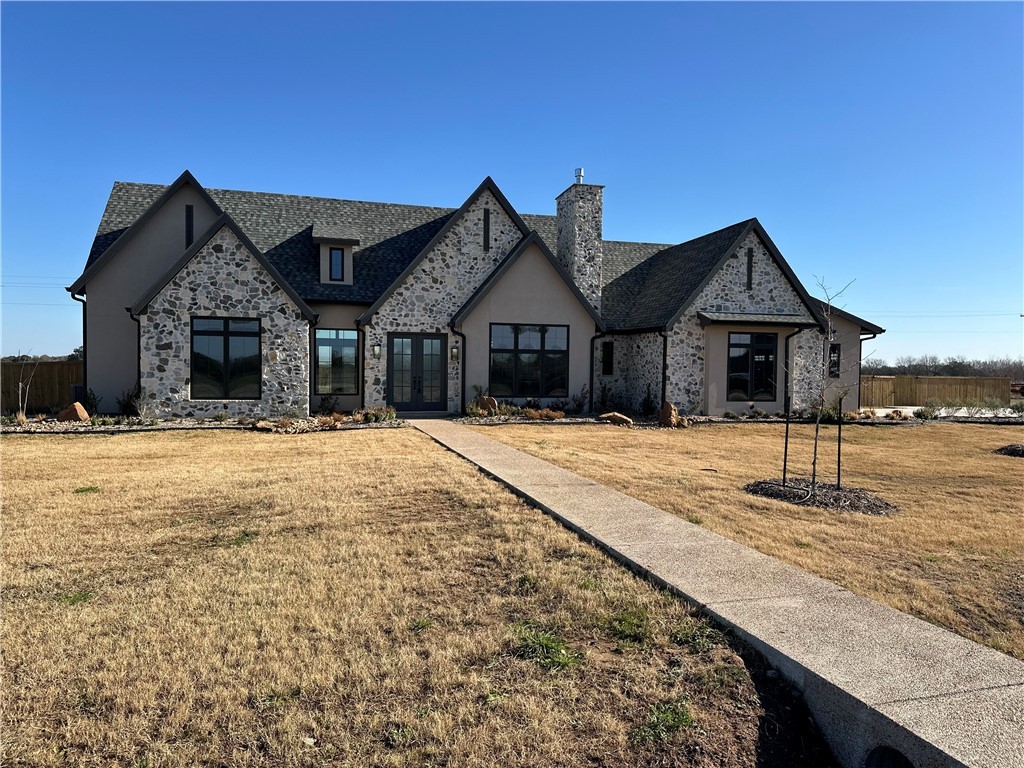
[(335, 254)]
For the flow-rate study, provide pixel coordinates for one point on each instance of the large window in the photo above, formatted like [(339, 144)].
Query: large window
[(529, 361), (752, 366), (337, 366), (225, 359)]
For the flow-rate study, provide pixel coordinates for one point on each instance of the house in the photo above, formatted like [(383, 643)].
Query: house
[(251, 303)]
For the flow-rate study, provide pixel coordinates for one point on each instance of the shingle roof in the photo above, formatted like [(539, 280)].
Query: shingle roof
[(649, 294), (645, 284)]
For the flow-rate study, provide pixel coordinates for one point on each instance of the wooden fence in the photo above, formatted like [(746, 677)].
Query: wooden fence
[(890, 391), (51, 386)]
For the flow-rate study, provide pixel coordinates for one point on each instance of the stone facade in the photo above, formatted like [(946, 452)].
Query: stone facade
[(638, 360), (223, 280), (771, 293), (580, 249), (437, 288)]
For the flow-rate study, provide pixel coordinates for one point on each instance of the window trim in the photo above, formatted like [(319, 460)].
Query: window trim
[(541, 352), (837, 371), (750, 370), (315, 364), (607, 358), (340, 278), (226, 335)]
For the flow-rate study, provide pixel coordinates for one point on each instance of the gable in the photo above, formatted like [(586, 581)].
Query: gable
[(152, 241), (222, 241), (771, 293), (451, 267)]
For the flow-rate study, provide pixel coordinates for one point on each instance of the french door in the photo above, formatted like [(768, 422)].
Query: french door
[(417, 379)]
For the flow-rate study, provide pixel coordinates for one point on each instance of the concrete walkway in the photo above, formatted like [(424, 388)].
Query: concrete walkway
[(872, 676)]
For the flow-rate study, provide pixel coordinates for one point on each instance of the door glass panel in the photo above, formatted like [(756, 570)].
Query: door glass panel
[(432, 370), (401, 373)]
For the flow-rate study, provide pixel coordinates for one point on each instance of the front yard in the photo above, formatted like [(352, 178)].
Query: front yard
[(347, 598), (953, 555)]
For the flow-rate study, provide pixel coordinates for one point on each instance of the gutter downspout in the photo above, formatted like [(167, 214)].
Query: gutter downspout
[(462, 370), (85, 348), (595, 337), (138, 350), (788, 403), (860, 356), (664, 367), (362, 358)]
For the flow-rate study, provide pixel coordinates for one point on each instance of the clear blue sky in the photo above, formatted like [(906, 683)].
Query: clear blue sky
[(879, 143)]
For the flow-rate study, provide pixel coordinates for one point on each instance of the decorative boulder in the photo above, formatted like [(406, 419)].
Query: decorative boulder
[(669, 416), (488, 404), (683, 422), (614, 417), (74, 412)]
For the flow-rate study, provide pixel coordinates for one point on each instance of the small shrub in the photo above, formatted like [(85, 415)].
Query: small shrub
[(130, 403), (995, 405), (506, 408), (579, 403), (647, 406), (851, 416), (221, 417), (21, 418), (474, 411), (973, 408), (544, 647), (532, 414), (757, 413), (631, 626), (662, 721), (549, 414), (90, 402), (1017, 407), (868, 414), (728, 415), (927, 413)]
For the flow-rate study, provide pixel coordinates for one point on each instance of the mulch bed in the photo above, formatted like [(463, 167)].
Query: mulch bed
[(827, 496), (1013, 449)]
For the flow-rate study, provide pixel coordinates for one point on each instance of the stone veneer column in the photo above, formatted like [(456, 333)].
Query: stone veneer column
[(580, 249)]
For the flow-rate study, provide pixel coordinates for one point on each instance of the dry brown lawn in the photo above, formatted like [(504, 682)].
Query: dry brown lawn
[(953, 555), (350, 598)]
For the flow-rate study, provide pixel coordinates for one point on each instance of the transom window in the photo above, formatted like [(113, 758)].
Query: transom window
[(337, 264), (226, 359), (337, 362), (752, 366), (529, 361)]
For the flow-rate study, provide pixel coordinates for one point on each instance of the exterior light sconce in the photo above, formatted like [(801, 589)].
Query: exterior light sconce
[(454, 353), (376, 351)]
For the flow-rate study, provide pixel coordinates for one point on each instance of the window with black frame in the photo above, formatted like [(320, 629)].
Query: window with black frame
[(751, 374), (337, 362), (529, 361), (226, 362)]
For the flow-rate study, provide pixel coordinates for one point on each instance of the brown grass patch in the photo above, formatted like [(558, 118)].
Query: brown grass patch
[(343, 598), (952, 555)]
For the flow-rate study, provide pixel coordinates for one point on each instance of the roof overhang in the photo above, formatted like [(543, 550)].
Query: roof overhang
[(754, 318)]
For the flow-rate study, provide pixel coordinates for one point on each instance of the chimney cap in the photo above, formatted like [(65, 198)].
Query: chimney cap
[(579, 175)]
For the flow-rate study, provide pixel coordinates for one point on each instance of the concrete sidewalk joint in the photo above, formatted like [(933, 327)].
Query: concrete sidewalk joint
[(871, 675)]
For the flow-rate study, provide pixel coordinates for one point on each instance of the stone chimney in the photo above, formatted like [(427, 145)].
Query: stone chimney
[(579, 236)]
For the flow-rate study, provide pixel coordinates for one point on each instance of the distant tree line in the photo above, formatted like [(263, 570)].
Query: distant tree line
[(78, 353), (932, 365)]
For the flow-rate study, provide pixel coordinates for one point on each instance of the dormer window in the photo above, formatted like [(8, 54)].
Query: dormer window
[(337, 265)]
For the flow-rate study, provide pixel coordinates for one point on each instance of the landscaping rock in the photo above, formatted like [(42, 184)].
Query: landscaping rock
[(74, 412), (487, 404), (682, 422), (669, 415), (614, 417)]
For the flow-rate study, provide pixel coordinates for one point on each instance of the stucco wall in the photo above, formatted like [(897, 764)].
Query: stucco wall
[(336, 317), (771, 293), (111, 335), (810, 364), (437, 288), (224, 280), (530, 293)]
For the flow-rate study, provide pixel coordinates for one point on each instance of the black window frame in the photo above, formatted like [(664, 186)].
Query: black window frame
[(835, 360), (607, 358), (316, 364), (542, 353), (226, 334), (340, 277), (752, 346)]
